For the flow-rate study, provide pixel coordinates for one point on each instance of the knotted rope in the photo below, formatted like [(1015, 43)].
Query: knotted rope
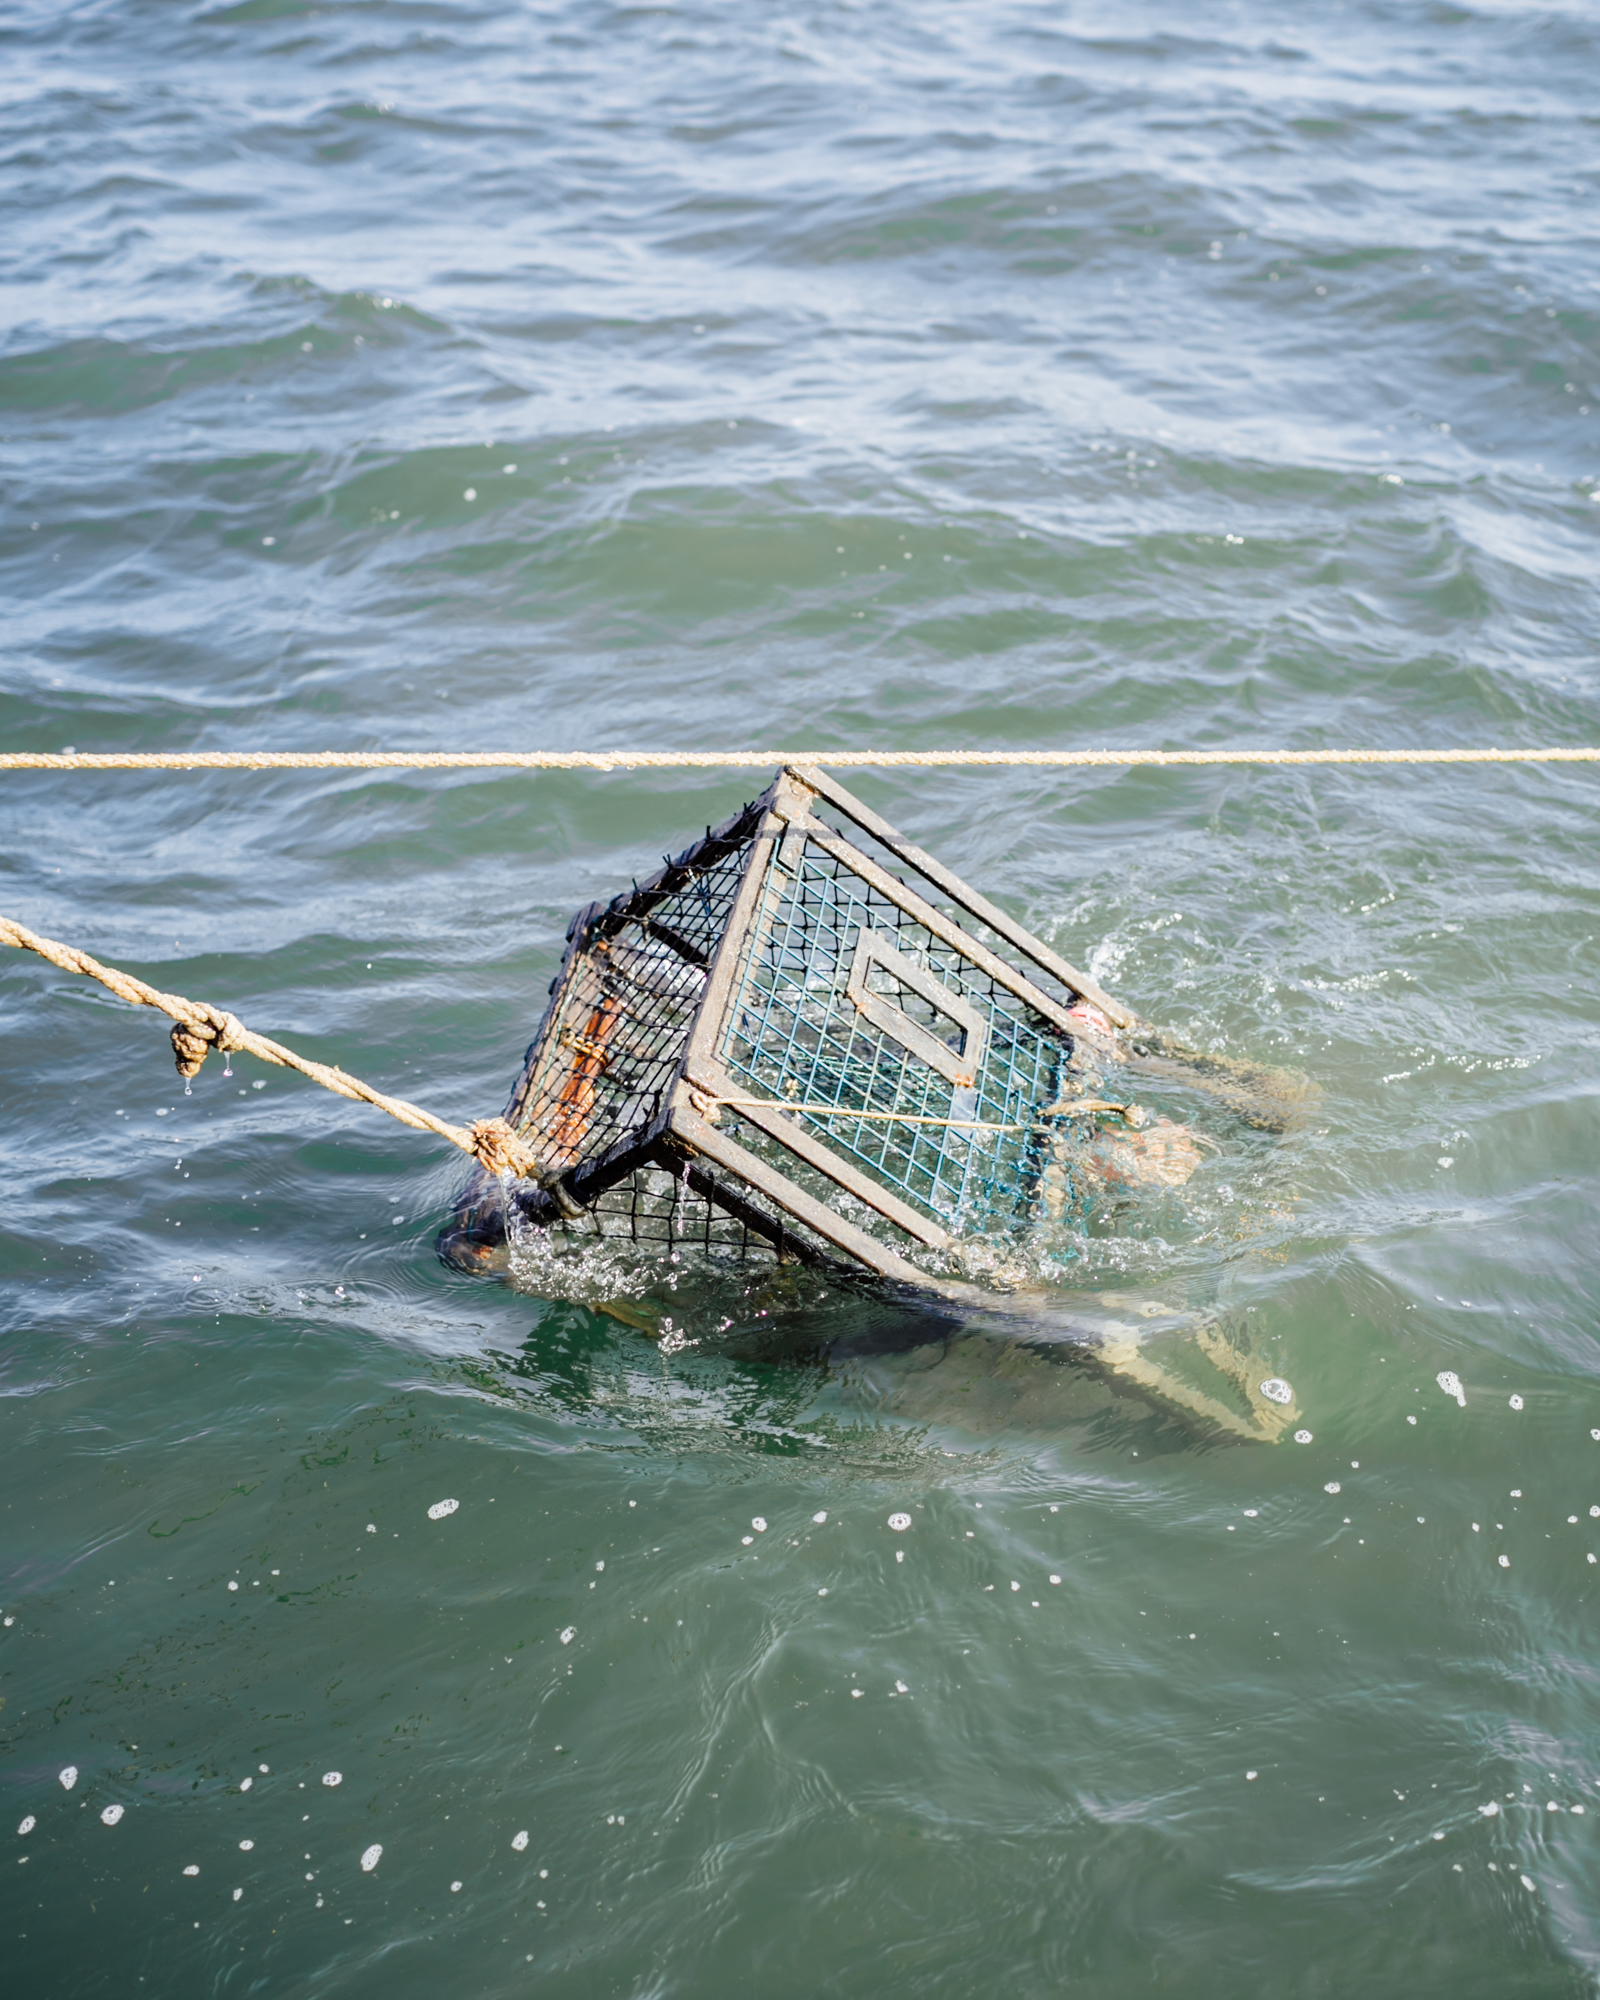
[(685, 760), (201, 1028)]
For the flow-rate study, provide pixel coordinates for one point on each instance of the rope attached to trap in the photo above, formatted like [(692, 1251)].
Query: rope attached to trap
[(201, 1028), (685, 760), (711, 1107)]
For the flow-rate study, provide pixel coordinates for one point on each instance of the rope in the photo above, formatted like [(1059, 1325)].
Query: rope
[(201, 1028), (685, 760), (708, 1107)]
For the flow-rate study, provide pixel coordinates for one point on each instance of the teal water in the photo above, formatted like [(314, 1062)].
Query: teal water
[(586, 376)]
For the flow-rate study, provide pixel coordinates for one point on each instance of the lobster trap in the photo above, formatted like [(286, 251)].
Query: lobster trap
[(796, 1041)]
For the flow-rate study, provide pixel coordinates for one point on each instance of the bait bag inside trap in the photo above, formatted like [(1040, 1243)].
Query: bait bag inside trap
[(804, 1039)]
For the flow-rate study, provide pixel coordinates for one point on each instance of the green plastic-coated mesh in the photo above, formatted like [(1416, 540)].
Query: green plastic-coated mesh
[(792, 1034)]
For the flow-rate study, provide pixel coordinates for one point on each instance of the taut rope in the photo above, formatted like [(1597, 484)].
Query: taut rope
[(684, 760), (201, 1028), (711, 1107)]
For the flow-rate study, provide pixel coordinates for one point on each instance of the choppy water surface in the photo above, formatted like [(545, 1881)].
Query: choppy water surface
[(462, 376)]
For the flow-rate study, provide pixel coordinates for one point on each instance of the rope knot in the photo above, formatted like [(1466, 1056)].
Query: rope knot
[(498, 1150), (193, 1041), (190, 1047), (231, 1034)]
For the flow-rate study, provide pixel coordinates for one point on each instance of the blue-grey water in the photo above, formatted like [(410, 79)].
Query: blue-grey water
[(390, 374)]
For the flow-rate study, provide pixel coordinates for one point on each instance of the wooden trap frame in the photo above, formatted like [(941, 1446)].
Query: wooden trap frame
[(792, 1043)]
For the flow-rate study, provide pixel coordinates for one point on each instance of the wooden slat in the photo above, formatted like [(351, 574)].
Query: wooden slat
[(944, 927), (729, 953), (691, 1130), (958, 892), (815, 1152)]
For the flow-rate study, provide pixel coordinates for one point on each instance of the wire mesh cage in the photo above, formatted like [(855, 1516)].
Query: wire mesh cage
[(798, 1042)]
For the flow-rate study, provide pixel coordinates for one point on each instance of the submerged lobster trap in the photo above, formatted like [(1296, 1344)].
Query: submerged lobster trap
[(797, 1042)]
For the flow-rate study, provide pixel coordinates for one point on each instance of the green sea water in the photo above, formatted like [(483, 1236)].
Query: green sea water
[(392, 374)]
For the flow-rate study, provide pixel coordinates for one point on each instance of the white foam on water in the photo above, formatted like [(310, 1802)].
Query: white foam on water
[(69, 1777), (1528, 1882), (1332, 1486), (237, 1894), (371, 1858), (455, 1888), (28, 1824), (1505, 1562), (855, 1694), (233, 1586), (569, 1633), (111, 1815), (192, 1869), (901, 1688), (1252, 1513), (246, 1783), (1450, 1382), (1276, 1390), (1516, 1404), (245, 1846), (1491, 1810), (520, 1841), (822, 1514), (899, 1522), (331, 1778), (1055, 1579), (747, 1540), (441, 1508), (759, 1525), (1302, 1437)]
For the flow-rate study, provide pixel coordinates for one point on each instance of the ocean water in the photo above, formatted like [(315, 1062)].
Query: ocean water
[(382, 373)]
